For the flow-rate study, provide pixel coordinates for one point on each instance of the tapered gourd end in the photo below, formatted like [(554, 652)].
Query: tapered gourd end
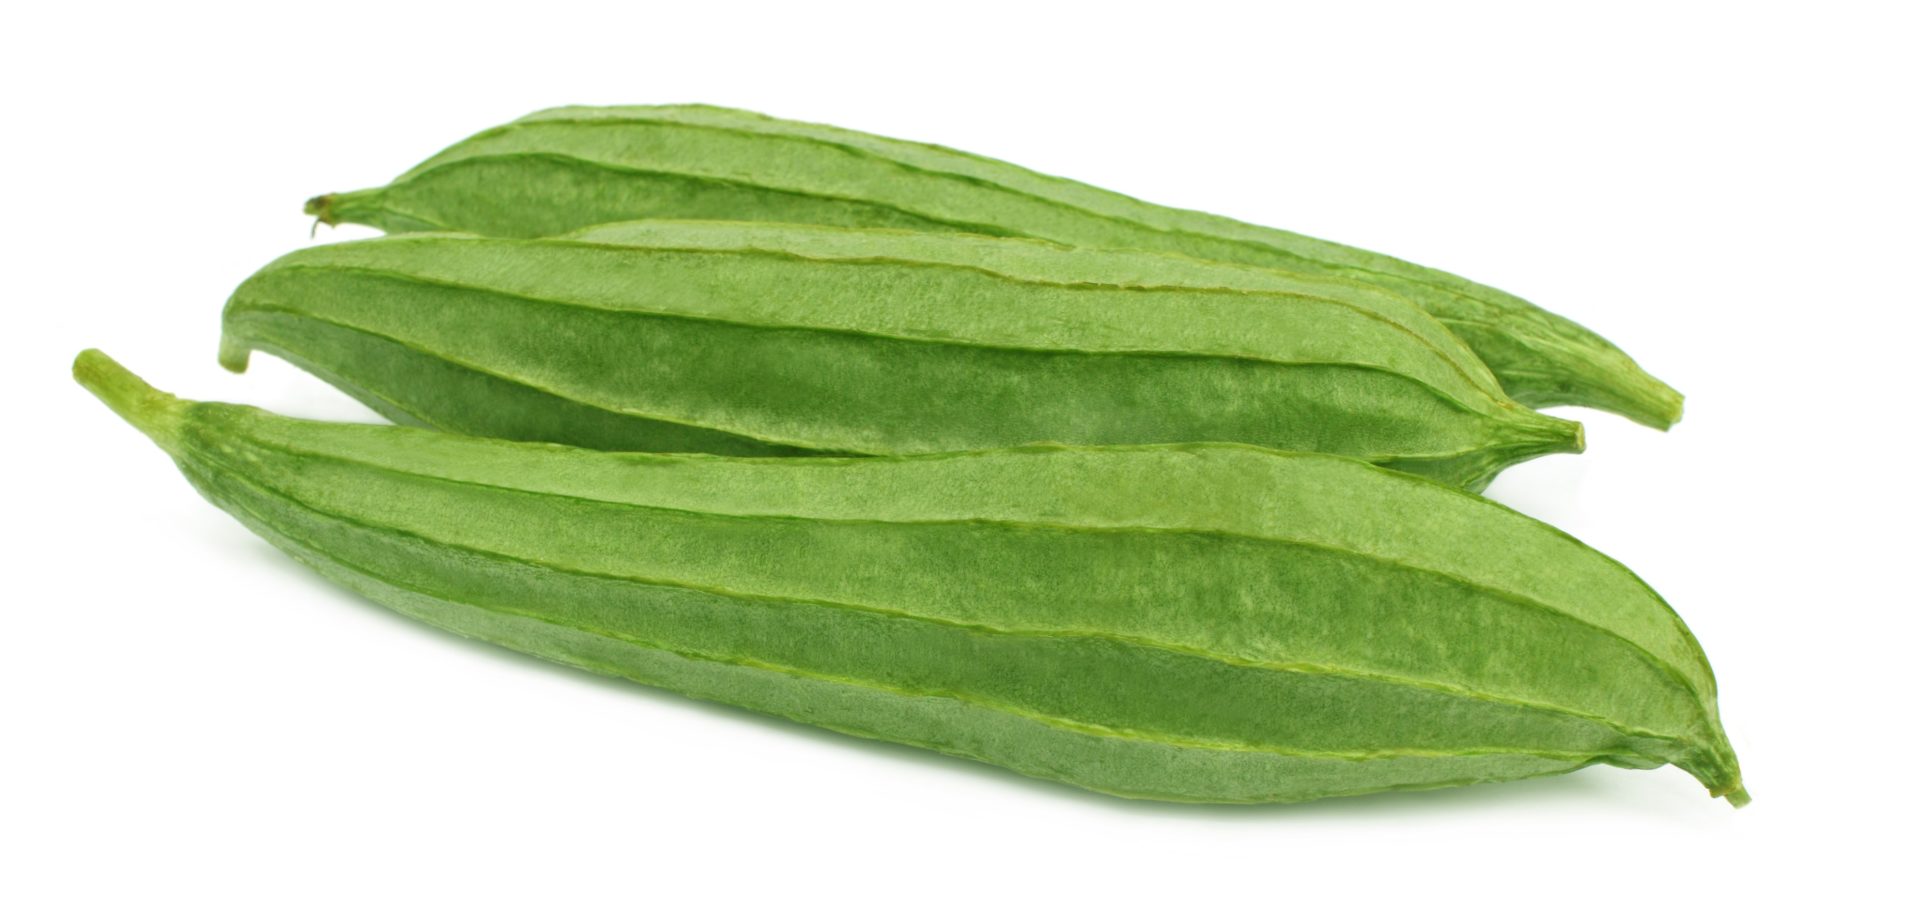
[(366, 207), (234, 354), (157, 414), (1608, 381), (320, 207), (1536, 434), (1649, 402), (1575, 435), (1717, 769), (1619, 386)]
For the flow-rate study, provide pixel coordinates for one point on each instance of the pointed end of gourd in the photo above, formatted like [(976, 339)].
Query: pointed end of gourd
[(1623, 389), (1676, 407), (363, 207), (234, 354), (1522, 434), (156, 413), (320, 207), (1540, 434), (1716, 767), (1651, 403), (1724, 781), (1609, 381)]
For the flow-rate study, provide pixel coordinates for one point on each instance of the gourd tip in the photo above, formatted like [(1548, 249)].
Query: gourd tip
[(154, 412), (234, 355), (1551, 434), (1738, 797), (1647, 401), (1661, 407), (320, 207)]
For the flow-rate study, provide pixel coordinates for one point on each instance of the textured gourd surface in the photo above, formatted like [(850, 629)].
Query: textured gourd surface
[(734, 338), (1197, 623), (562, 169)]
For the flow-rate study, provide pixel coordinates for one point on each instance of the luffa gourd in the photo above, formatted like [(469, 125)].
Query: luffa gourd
[(561, 169), (1192, 623), (760, 339)]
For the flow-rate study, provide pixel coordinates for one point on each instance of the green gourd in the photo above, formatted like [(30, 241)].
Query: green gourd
[(765, 339), (1207, 623), (562, 169)]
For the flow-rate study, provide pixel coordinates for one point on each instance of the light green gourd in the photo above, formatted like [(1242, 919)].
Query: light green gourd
[(562, 169), (1207, 623), (761, 339)]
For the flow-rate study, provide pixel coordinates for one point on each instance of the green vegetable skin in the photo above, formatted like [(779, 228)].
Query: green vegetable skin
[(1209, 623), (563, 169), (758, 339)]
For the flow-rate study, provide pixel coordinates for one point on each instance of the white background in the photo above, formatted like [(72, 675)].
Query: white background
[(192, 726)]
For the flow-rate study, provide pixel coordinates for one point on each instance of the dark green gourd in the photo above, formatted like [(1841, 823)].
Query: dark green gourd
[(763, 339), (562, 169), (1211, 623)]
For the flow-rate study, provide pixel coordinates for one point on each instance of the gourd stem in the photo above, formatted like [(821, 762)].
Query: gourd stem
[(1598, 376), (1551, 434), (1717, 769), (320, 207), (234, 353), (363, 207), (155, 413)]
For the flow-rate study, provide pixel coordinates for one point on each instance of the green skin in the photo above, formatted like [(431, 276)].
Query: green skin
[(767, 339), (1196, 623), (562, 169)]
